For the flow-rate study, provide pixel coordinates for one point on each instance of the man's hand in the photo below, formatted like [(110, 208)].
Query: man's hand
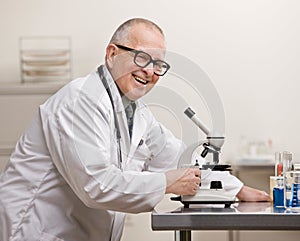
[(249, 194), (183, 181)]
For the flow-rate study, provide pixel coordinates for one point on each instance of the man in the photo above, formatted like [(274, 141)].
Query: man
[(79, 166)]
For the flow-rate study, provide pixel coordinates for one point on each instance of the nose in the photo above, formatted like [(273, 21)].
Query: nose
[(149, 70)]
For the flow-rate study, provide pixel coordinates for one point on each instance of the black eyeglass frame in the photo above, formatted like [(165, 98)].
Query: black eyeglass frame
[(151, 60)]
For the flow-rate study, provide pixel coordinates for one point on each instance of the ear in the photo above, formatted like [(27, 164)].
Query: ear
[(111, 52)]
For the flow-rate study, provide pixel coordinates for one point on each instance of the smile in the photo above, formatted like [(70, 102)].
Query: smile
[(140, 80)]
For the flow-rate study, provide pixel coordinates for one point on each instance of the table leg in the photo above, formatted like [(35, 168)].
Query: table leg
[(233, 235), (182, 235)]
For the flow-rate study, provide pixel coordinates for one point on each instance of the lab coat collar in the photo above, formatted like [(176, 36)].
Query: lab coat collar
[(114, 90)]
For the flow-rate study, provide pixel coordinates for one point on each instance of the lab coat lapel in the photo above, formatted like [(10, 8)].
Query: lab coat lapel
[(139, 121), (119, 108), (139, 128)]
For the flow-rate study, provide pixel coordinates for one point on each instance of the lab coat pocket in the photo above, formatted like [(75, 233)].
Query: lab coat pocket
[(49, 237), (138, 158), (142, 152)]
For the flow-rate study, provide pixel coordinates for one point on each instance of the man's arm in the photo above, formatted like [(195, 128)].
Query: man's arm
[(250, 194)]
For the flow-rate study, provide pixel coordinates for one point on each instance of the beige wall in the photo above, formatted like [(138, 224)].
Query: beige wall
[(250, 49)]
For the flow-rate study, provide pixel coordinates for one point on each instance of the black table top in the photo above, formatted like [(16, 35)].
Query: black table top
[(240, 216)]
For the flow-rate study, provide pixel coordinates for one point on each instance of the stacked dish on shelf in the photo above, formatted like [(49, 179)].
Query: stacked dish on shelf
[(45, 63)]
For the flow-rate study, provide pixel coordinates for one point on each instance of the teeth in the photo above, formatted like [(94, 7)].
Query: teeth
[(140, 80)]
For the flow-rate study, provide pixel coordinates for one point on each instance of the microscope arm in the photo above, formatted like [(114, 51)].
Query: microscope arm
[(215, 139)]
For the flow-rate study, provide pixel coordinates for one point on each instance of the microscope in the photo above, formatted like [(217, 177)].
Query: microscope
[(213, 192)]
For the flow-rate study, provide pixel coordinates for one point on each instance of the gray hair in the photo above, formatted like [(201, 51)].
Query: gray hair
[(122, 32)]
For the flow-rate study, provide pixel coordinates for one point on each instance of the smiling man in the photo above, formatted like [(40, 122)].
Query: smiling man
[(86, 160), (143, 43)]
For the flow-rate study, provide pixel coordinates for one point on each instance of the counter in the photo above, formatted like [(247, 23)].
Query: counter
[(240, 216)]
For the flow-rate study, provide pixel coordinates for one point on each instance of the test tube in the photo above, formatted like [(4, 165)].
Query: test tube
[(287, 161), (278, 164)]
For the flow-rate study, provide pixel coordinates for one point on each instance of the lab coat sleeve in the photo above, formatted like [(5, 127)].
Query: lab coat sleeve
[(79, 139), (165, 148)]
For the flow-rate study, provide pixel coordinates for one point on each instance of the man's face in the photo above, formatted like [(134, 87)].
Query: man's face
[(133, 80)]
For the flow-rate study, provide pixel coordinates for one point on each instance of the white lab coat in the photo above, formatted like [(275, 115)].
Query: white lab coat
[(63, 181)]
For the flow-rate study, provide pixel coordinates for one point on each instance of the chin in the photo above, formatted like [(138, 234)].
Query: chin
[(136, 93)]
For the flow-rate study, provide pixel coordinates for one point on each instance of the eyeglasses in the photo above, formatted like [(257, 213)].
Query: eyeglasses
[(143, 59)]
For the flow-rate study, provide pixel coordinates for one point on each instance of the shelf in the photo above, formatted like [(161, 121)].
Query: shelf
[(45, 58), (6, 150), (30, 88)]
